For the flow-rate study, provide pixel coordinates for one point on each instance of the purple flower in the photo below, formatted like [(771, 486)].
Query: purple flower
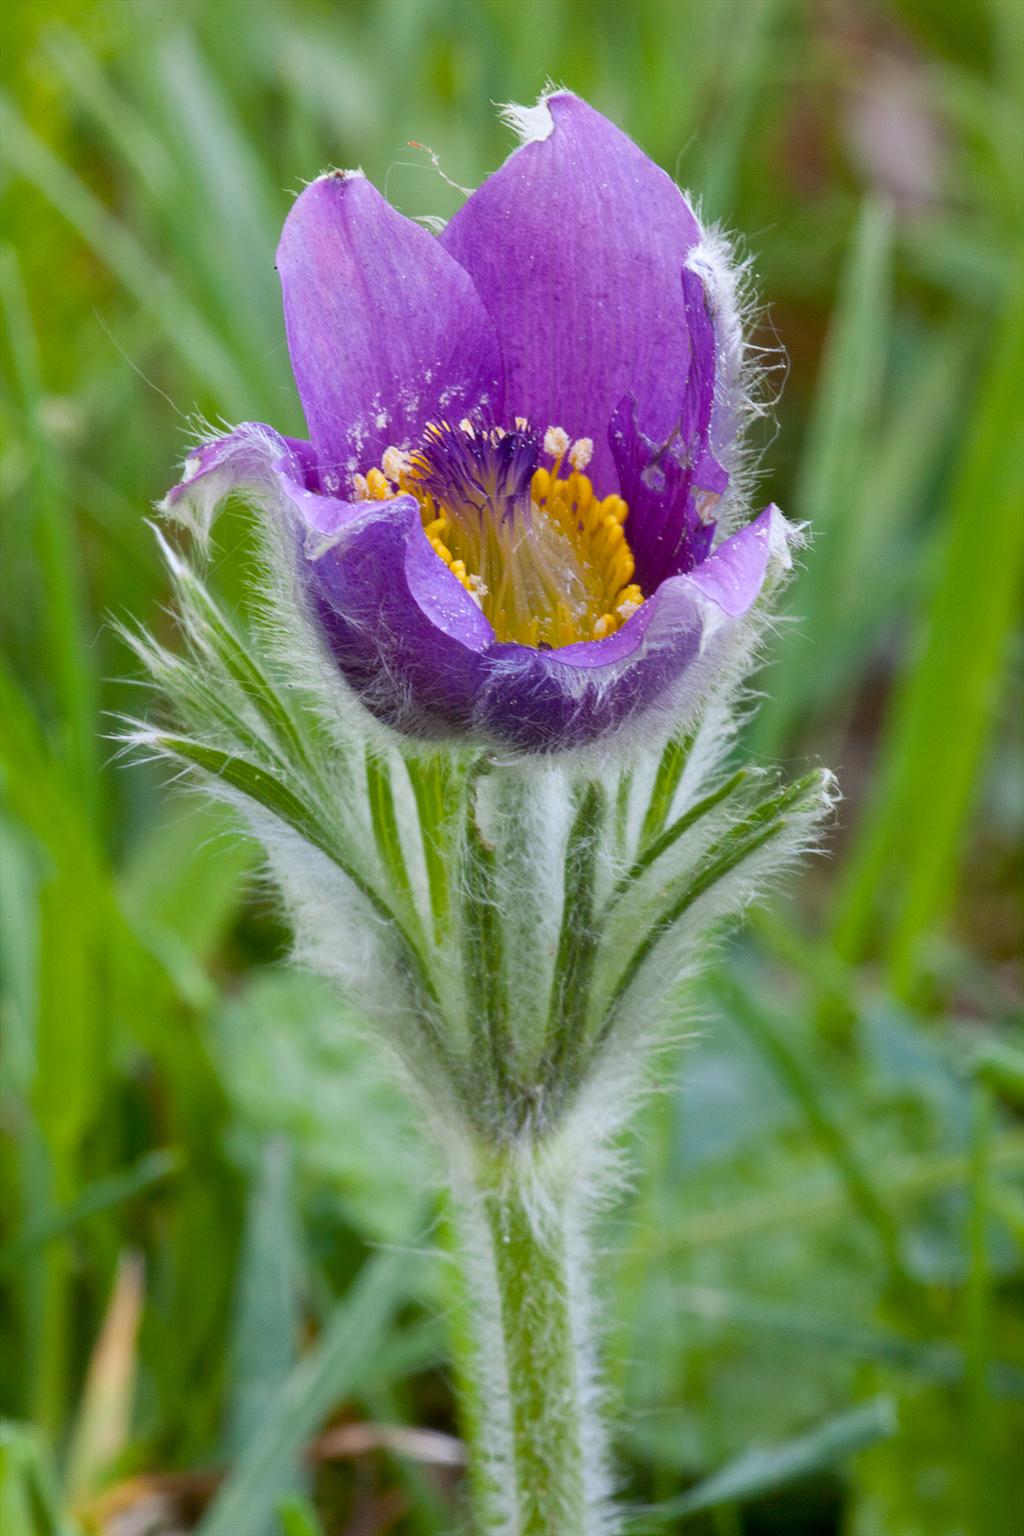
[(521, 433)]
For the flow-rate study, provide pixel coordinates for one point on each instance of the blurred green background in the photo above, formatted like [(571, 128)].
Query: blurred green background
[(815, 1283)]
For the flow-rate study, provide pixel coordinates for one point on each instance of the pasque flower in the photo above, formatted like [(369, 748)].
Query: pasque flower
[(480, 721), (507, 518)]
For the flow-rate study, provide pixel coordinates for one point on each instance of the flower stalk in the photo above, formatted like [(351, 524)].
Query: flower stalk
[(530, 1410)]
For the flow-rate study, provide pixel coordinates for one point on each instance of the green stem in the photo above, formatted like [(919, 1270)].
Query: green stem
[(533, 1458)]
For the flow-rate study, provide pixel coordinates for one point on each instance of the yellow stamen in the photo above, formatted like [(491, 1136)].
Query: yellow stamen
[(581, 453), (378, 486), (551, 571)]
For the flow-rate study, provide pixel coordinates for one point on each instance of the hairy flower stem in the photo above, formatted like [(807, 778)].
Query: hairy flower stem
[(526, 1366)]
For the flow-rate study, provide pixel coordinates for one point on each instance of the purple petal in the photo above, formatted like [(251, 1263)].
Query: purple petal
[(256, 461), (671, 487), (406, 635), (575, 246), (385, 330), (423, 658), (665, 658), (733, 576)]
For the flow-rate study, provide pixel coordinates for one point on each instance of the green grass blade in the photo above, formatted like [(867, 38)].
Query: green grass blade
[(985, 1473), (63, 608), (747, 50), (298, 1518), (907, 1182), (186, 876), (865, 1194), (101, 1195), (1000, 1067), (128, 131), (429, 1511), (103, 1414), (181, 325), (941, 719), (78, 953), (266, 1309), (30, 1503), (932, 1360), (332, 1371), (838, 444), (761, 1471), (894, 500), (236, 216)]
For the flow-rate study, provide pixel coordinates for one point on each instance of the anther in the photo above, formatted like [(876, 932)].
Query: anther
[(581, 453), (378, 486), (395, 463), (556, 442)]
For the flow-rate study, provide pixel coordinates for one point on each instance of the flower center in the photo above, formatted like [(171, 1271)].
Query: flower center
[(542, 555)]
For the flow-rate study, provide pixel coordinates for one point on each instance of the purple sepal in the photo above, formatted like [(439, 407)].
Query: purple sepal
[(660, 660), (423, 658), (405, 634), (575, 245), (386, 331), (671, 485), (277, 473)]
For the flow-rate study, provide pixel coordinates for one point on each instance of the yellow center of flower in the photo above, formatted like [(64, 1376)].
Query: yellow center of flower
[(544, 557)]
